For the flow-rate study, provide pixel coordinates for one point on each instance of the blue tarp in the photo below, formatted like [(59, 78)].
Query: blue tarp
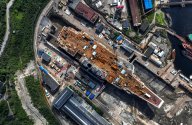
[(43, 70), (87, 93), (119, 38), (148, 4), (91, 97)]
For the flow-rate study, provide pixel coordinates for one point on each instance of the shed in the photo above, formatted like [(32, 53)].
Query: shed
[(46, 58), (40, 52), (126, 47), (149, 51), (87, 93), (91, 97), (91, 85), (125, 24), (148, 4), (99, 28), (59, 65), (144, 26)]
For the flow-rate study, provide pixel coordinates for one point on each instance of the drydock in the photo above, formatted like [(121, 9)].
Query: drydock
[(104, 64)]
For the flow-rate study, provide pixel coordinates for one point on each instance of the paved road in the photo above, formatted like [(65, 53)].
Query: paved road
[(43, 13), (7, 26)]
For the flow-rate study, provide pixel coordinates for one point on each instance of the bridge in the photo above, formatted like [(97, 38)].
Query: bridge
[(171, 32), (176, 35), (181, 3), (185, 44)]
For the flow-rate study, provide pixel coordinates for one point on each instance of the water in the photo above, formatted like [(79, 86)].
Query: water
[(182, 25)]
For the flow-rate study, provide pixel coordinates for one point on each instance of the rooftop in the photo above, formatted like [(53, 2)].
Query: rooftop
[(51, 83), (84, 11), (68, 103), (148, 4), (136, 18), (105, 61), (46, 58)]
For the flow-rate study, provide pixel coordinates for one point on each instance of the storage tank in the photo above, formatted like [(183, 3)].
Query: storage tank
[(43, 69), (156, 60)]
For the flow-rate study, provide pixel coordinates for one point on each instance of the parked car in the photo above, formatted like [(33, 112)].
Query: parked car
[(47, 93)]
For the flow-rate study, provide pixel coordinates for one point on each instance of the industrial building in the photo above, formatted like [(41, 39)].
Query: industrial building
[(126, 47), (125, 24), (150, 50), (144, 26), (136, 17), (46, 59), (72, 105), (103, 64), (50, 83), (84, 11), (99, 28)]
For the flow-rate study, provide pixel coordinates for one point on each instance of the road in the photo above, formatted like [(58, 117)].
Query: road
[(7, 26), (26, 99), (62, 120), (43, 13)]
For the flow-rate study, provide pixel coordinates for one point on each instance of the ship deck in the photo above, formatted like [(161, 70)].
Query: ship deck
[(79, 42)]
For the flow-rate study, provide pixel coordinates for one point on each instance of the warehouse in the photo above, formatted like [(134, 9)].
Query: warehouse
[(136, 18), (84, 11), (50, 83), (67, 103)]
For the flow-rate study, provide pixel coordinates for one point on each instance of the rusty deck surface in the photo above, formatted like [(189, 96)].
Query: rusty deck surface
[(75, 42)]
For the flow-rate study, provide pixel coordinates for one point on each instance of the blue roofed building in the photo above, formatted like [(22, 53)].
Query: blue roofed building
[(91, 97), (148, 4), (119, 38)]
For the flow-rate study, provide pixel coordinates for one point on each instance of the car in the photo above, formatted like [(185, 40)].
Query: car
[(47, 93)]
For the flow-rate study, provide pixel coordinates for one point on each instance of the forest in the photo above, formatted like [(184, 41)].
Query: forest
[(18, 52), (2, 19), (37, 96)]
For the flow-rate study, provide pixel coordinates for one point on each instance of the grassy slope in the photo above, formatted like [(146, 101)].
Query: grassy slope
[(38, 99), (19, 48), (19, 51)]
